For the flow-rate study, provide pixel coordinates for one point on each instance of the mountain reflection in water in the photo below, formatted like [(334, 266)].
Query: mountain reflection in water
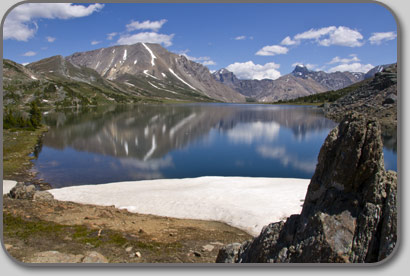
[(121, 143)]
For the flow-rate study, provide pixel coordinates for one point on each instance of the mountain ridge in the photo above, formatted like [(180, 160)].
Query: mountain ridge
[(300, 82)]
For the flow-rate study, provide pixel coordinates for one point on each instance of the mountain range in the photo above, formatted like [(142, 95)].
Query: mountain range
[(300, 82), (145, 72)]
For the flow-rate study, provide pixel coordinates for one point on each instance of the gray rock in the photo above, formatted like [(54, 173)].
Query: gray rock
[(43, 196), (229, 253), (22, 191), (94, 257), (349, 213), (55, 257)]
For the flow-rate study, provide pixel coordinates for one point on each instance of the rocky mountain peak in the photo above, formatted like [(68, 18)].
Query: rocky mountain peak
[(300, 71)]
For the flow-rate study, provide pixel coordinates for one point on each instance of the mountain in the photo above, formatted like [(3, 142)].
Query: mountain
[(152, 64), (375, 70), (300, 82), (120, 74)]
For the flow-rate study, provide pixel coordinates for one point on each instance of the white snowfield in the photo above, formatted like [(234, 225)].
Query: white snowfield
[(247, 203), (8, 185)]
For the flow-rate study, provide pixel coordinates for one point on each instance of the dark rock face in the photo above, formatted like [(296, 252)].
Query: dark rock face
[(349, 213)]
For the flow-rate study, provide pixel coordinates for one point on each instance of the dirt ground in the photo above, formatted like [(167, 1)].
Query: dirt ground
[(36, 226)]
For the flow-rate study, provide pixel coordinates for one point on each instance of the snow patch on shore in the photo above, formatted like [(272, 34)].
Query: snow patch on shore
[(8, 185), (247, 203)]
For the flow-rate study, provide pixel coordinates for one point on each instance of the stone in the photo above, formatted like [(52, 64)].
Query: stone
[(128, 249), (229, 253), (138, 254), (22, 191), (349, 213), (43, 196), (55, 257), (208, 248), (8, 246), (197, 254), (94, 257)]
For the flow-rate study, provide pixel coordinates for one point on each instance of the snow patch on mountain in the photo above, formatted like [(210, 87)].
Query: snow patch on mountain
[(178, 77), (153, 57)]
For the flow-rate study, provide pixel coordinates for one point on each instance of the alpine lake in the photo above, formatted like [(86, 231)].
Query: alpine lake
[(123, 143)]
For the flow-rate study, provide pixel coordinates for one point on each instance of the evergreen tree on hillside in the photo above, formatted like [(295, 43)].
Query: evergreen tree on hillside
[(35, 115)]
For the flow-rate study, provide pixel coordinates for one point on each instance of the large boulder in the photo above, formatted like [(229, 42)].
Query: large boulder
[(349, 213), (22, 191)]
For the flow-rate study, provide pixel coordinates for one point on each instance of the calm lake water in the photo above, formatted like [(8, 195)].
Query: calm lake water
[(121, 143)]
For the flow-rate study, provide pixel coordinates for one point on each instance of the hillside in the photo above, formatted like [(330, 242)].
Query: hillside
[(376, 97)]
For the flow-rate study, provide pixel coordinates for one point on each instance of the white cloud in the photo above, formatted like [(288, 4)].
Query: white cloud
[(288, 41), (352, 67), (343, 36), (337, 59), (327, 36), (20, 23), (95, 42), (241, 37), (29, 54), (249, 70), (50, 39), (149, 37), (146, 25), (204, 60), (272, 50), (209, 62), (314, 33), (378, 38), (110, 36)]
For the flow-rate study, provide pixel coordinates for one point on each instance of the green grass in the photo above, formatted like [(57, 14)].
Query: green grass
[(17, 146)]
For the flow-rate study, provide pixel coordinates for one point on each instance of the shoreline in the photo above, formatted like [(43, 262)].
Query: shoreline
[(246, 203)]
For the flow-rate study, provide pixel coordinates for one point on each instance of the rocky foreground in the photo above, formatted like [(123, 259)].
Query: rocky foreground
[(349, 213)]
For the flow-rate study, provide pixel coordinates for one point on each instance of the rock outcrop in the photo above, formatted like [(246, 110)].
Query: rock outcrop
[(349, 213)]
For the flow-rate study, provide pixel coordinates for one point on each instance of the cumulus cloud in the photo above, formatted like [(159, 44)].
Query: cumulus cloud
[(149, 37), (378, 38), (249, 70), (146, 25), (289, 42), (337, 59), (272, 50), (50, 39), (327, 36), (343, 36), (20, 23), (95, 42), (110, 36), (29, 54), (352, 67)]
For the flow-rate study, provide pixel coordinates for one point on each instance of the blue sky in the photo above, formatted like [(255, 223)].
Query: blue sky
[(252, 40)]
